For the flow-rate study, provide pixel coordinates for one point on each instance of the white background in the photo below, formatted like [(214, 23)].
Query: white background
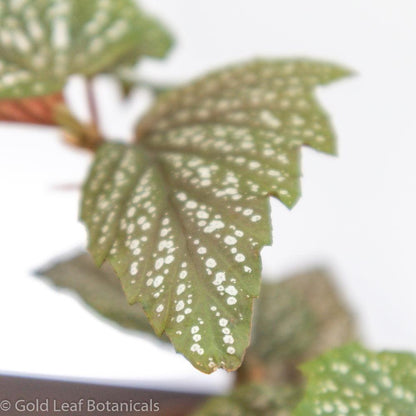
[(357, 214)]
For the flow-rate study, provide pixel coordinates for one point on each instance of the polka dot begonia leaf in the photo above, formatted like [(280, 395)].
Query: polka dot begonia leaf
[(356, 382), (43, 42), (183, 213), (252, 399)]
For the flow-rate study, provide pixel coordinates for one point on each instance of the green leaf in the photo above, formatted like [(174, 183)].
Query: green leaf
[(284, 323), (43, 42), (183, 214), (99, 288), (252, 400), (296, 320), (356, 382)]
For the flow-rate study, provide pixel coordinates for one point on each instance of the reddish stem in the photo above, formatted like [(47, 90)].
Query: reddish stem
[(92, 104)]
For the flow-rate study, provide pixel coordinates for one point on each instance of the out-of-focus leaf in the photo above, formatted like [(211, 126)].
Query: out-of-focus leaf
[(252, 400), (99, 288), (43, 42), (183, 214), (296, 319), (34, 110), (356, 382)]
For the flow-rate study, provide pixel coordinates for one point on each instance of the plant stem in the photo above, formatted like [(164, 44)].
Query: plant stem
[(92, 105)]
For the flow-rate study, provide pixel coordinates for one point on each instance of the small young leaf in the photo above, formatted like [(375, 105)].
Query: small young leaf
[(295, 320), (43, 42), (99, 288), (284, 324), (252, 400), (356, 382), (183, 214)]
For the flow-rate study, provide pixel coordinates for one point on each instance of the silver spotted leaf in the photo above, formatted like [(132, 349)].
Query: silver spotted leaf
[(356, 382), (43, 42), (183, 214), (295, 320), (98, 288), (252, 400)]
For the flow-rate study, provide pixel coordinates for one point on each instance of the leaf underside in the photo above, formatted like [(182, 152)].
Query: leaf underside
[(356, 382), (183, 214), (43, 42), (33, 110), (252, 400)]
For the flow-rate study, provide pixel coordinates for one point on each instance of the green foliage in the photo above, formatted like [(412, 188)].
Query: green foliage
[(252, 400), (43, 42), (183, 214), (356, 382), (295, 320), (285, 324), (99, 288)]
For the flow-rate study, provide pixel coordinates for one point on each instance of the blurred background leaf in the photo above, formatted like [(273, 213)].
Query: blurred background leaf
[(354, 381), (42, 43), (295, 319), (252, 400), (98, 288)]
